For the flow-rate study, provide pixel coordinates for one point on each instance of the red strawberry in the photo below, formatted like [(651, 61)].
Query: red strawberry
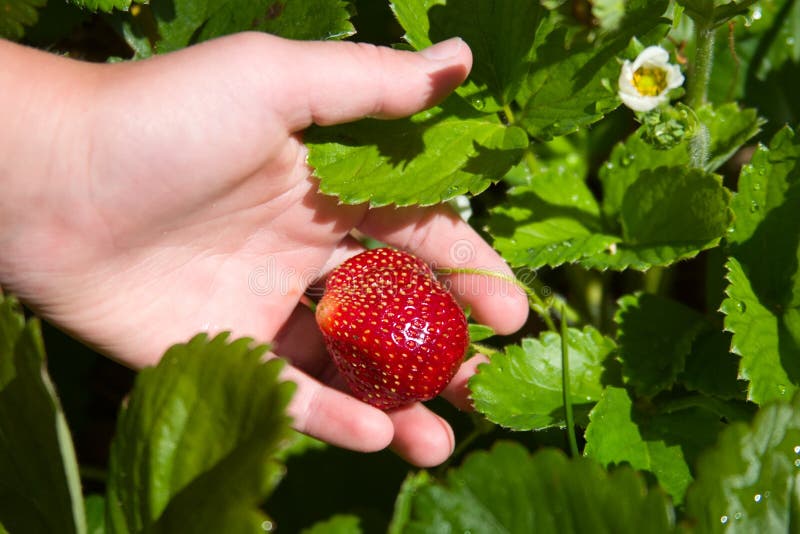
[(394, 332)]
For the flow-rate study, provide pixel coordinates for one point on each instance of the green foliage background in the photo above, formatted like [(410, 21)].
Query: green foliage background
[(675, 259)]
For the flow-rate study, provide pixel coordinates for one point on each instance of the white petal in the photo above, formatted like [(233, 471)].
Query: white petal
[(642, 103), (625, 81), (652, 56), (626, 72), (674, 77)]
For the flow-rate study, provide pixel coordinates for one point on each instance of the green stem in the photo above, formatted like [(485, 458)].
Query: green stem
[(484, 349), (509, 113), (652, 280), (530, 159), (534, 300), (697, 90), (573, 442)]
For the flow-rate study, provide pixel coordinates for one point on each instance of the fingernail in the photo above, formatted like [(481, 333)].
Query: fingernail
[(443, 51)]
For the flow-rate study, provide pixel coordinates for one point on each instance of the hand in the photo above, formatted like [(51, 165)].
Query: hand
[(170, 196)]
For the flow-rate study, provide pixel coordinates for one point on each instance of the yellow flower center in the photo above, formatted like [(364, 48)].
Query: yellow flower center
[(650, 81)]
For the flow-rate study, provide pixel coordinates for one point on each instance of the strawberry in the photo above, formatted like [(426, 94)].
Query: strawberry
[(396, 334)]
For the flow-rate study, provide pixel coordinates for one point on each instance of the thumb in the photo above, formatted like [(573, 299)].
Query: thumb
[(333, 82)]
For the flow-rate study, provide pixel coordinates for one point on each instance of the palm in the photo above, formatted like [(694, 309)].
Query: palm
[(238, 259), (196, 212)]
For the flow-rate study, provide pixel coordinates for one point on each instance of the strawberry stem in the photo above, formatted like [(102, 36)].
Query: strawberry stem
[(483, 349), (573, 443), (534, 301)]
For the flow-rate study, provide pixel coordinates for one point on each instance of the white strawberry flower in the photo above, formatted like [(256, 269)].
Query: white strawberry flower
[(645, 84)]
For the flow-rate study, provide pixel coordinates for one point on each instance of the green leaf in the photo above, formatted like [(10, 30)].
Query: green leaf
[(500, 34), (770, 358), (567, 91), (701, 11), (763, 71), (308, 20), (39, 484), (519, 55), (425, 159), (664, 444), (672, 205), (715, 12), (556, 219), (608, 13), (179, 23), (712, 369), (95, 514), (508, 490), (405, 500), (16, 15), (298, 444), (729, 127), (668, 214), (723, 12), (195, 447), (479, 332), (338, 524), (655, 335), (765, 187), (778, 47), (763, 305), (749, 481), (105, 5), (521, 388), (553, 220)]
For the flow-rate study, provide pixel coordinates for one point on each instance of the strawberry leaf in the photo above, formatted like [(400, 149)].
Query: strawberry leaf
[(712, 369), (654, 233), (553, 220), (95, 514), (748, 482), (16, 15), (426, 159), (655, 335), (195, 446), (762, 309), (338, 524), (39, 484), (664, 444), (180, 23), (105, 5), (479, 332), (501, 36), (729, 127), (521, 388), (758, 335), (509, 490), (564, 92)]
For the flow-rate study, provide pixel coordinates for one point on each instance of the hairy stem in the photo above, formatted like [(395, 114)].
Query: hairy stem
[(697, 90)]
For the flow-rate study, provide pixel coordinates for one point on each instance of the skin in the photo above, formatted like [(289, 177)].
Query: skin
[(145, 202)]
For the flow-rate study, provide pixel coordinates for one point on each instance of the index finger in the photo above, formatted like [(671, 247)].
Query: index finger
[(443, 239)]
